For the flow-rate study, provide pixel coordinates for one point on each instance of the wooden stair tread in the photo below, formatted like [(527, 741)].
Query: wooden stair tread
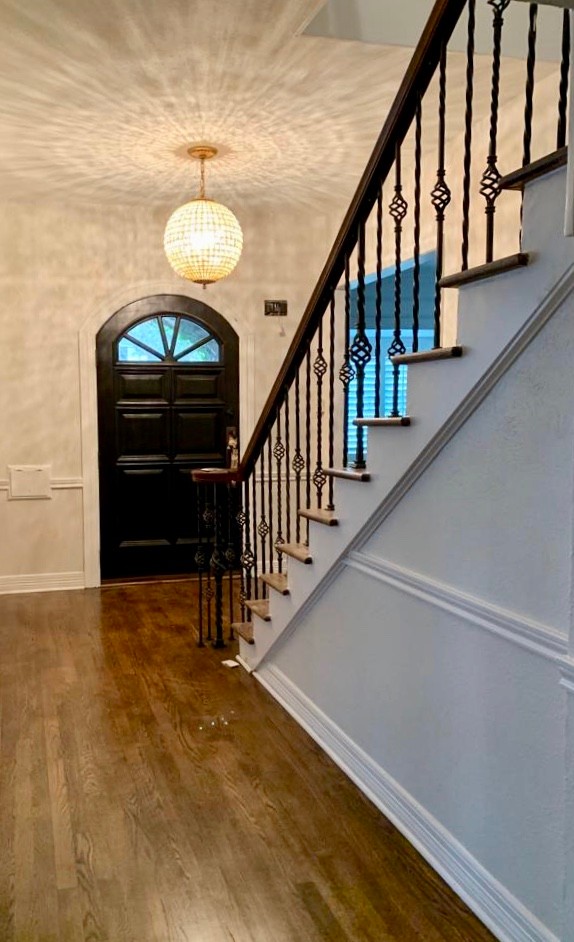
[(297, 551), (400, 421), (518, 178), (277, 581), (348, 474), (327, 517), (488, 270), (427, 356), (259, 607), (244, 629)]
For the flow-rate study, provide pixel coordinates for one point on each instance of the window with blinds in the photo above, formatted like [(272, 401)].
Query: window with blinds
[(386, 381)]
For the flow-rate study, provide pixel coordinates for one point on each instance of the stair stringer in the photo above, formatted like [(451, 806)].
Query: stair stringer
[(497, 320)]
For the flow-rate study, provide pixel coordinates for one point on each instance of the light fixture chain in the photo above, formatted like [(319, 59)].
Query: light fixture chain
[(202, 179)]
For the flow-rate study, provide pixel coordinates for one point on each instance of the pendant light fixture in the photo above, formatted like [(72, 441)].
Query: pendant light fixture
[(203, 239)]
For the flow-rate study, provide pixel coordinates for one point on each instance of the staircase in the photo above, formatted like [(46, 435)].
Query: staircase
[(315, 499)]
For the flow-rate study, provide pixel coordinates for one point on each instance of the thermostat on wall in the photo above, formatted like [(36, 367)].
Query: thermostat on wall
[(29, 482), (275, 308)]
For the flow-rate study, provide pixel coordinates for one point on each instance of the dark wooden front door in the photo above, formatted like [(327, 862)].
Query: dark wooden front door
[(167, 397)]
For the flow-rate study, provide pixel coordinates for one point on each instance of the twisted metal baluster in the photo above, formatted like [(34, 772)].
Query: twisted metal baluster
[(200, 562), (529, 91), (279, 455), (217, 564), (490, 181), (208, 520), (398, 210), (263, 527), (319, 369), (440, 196), (379, 302), (308, 435), (346, 373), (254, 519), (331, 505), (246, 559), (417, 227), (361, 348), (467, 163), (287, 475), (230, 557), (270, 501), (564, 74), (298, 460)]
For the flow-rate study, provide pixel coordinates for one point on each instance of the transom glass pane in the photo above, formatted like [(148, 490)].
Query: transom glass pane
[(129, 352), (169, 327), (148, 332), (188, 334), (207, 353)]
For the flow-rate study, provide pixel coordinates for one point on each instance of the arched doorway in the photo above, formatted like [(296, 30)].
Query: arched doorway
[(168, 397)]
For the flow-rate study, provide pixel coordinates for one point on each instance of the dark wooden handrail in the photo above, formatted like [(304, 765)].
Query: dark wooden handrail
[(423, 65)]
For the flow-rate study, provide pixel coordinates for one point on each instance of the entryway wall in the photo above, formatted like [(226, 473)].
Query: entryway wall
[(57, 292)]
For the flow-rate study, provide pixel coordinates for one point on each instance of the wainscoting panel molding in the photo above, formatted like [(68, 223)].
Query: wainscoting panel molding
[(492, 903), (535, 637)]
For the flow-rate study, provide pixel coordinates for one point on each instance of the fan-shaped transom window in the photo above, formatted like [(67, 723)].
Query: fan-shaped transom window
[(170, 338)]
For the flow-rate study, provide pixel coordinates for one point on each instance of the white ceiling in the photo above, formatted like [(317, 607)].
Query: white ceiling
[(99, 100)]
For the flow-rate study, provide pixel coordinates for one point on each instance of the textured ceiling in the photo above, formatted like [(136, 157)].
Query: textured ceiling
[(100, 98)]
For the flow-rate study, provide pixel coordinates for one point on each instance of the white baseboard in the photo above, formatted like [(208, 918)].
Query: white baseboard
[(42, 582), (494, 905)]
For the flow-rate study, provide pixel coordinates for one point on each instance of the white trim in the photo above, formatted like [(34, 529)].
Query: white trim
[(513, 350), (42, 582), (567, 678), (57, 484), (490, 900), (67, 484), (536, 637)]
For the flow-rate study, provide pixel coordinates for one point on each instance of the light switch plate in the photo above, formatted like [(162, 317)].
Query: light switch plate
[(29, 482)]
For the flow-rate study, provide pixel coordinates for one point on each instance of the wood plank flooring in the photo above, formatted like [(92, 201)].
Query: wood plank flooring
[(148, 794)]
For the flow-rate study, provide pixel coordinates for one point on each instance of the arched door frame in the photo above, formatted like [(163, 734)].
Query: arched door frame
[(89, 406)]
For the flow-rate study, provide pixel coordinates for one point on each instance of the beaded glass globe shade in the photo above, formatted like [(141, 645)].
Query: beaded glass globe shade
[(203, 239)]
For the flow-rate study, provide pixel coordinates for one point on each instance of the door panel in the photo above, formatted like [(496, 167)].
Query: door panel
[(159, 417), (143, 434)]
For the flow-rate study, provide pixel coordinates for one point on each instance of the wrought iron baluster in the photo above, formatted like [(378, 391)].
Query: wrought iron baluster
[(417, 227), (331, 505), (398, 210), (361, 348), (346, 373), (246, 558), (564, 75), (279, 455), (217, 566), (379, 303), (529, 91), (208, 521), (490, 181), (270, 500), (467, 162), (441, 195), (200, 561), (263, 527), (308, 435), (319, 369), (287, 475), (255, 585), (230, 557), (298, 460)]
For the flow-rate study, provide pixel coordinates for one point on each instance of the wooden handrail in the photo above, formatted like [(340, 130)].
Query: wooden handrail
[(438, 30)]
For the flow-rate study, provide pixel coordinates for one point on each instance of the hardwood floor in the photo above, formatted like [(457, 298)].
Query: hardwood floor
[(148, 794)]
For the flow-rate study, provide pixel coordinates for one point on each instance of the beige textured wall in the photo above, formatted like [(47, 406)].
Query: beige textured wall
[(61, 266)]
